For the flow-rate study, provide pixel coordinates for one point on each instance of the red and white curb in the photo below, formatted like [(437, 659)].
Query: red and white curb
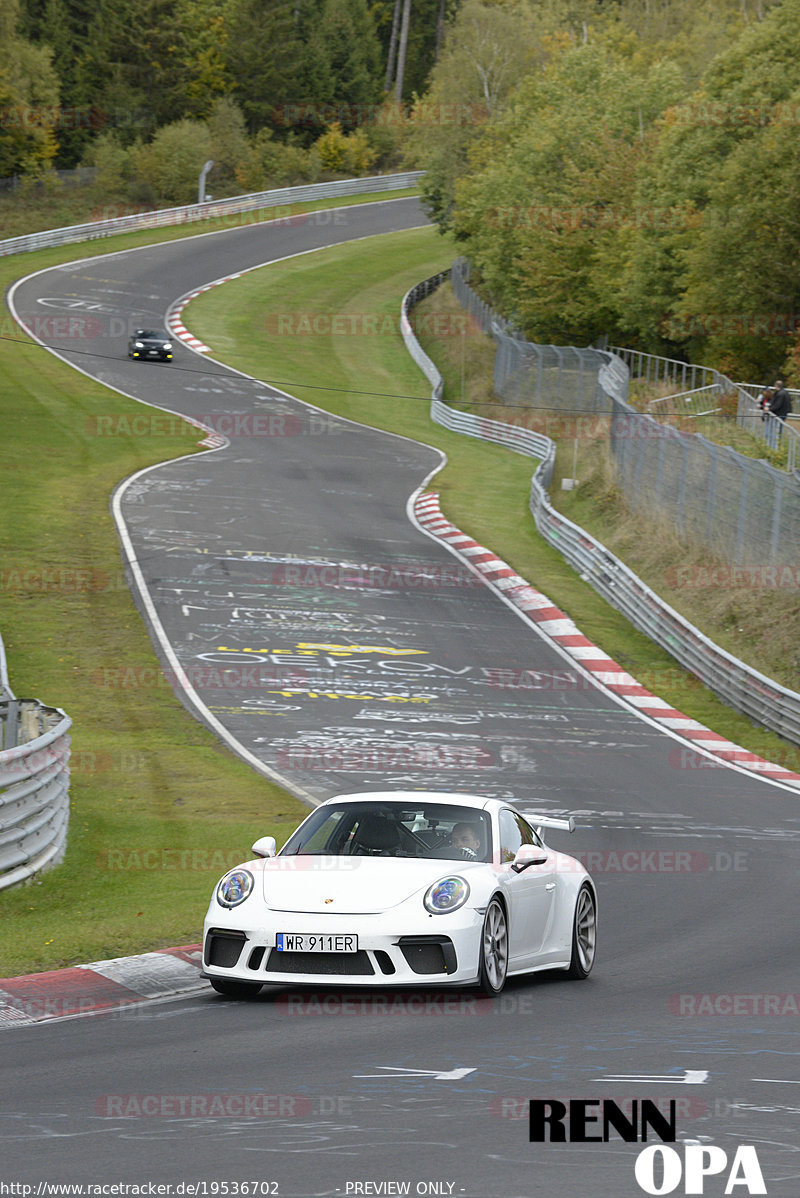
[(101, 986), (179, 330), (175, 323), (549, 619)]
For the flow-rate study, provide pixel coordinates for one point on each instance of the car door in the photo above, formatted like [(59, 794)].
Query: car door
[(531, 892)]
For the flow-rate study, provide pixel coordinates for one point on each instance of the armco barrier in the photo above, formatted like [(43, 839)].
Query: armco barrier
[(34, 790), (190, 213), (34, 784), (737, 684)]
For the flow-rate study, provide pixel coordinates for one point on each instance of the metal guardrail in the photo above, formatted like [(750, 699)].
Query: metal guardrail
[(34, 784), (496, 431), (190, 213), (653, 370), (737, 684)]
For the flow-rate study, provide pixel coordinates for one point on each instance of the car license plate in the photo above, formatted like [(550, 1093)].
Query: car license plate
[(311, 942)]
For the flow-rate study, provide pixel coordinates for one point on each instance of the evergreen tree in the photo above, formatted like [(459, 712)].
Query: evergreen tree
[(28, 99), (272, 55)]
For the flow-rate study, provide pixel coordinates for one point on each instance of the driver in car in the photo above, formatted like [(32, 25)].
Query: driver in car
[(466, 840)]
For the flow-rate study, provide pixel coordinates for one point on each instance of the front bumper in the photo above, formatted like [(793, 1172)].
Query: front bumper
[(440, 950)]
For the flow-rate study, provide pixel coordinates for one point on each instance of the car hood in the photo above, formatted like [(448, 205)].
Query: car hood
[(351, 885)]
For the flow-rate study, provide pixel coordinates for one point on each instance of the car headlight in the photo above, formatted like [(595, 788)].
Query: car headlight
[(167, 345), (234, 887), (138, 345), (448, 894)]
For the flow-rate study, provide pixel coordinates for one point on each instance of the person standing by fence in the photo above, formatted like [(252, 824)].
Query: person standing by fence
[(780, 407)]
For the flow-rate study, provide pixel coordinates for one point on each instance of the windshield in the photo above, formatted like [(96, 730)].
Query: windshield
[(381, 829)]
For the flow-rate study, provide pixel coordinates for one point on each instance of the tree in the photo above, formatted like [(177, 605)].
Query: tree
[(267, 57), (725, 160), (133, 68), (488, 48), (402, 51), (346, 36), (228, 141), (547, 211), (168, 168), (425, 31), (391, 58), (742, 292), (204, 44), (28, 99)]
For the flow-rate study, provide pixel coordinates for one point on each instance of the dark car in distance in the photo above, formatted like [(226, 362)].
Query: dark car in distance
[(146, 343)]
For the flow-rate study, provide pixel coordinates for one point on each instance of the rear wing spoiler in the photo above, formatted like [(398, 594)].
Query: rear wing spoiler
[(550, 821)]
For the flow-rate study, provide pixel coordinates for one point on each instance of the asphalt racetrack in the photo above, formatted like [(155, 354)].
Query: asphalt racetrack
[(337, 647)]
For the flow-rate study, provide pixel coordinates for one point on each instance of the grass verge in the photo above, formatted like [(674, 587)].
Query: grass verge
[(484, 488), (158, 807)]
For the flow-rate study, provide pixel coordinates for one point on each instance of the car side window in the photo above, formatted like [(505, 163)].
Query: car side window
[(526, 831), (510, 836)]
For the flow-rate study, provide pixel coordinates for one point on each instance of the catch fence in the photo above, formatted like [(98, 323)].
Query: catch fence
[(745, 509)]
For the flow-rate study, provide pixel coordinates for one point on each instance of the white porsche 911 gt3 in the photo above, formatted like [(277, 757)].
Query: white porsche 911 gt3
[(395, 888)]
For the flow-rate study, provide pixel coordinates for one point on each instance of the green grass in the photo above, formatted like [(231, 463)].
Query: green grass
[(484, 488), (157, 803)]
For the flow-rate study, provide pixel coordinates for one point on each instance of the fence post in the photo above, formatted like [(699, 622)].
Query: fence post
[(740, 523), (774, 541), (712, 488)]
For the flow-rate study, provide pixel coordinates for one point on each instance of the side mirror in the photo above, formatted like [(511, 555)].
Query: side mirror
[(528, 854), (265, 846)]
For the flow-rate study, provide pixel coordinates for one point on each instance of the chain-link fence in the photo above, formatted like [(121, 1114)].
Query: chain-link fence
[(743, 688), (560, 377), (745, 509), (707, 384)]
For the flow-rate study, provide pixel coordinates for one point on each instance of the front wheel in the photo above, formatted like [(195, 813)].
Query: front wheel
[(584, 935), (494, 949), (234, 989)]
